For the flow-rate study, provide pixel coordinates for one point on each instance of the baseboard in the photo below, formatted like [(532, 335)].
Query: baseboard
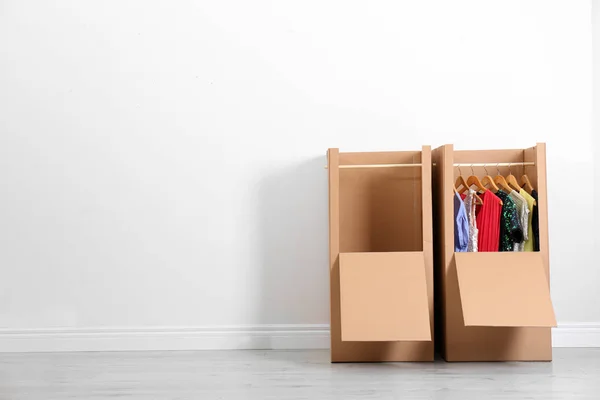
[(217, 338), (170, 338), (576, 335)]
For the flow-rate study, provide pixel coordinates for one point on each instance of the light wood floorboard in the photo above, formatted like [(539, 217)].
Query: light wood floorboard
[(574, 374)]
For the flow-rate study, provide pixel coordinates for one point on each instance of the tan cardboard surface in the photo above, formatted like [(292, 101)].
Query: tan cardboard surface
[(504, 289), (454, 340), (383, 297), (379, 210)]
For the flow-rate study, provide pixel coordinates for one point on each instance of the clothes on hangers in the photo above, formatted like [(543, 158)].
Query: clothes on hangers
[(510, 228), (528, 244), (535, 222), (505, 221), (488, 222), (461, 225), (523, 214), (469, 203)]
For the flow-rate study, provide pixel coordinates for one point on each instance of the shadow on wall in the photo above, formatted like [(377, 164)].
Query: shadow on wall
[(293, 240)]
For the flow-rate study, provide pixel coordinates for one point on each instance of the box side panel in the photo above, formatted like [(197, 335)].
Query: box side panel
[(427, 230)]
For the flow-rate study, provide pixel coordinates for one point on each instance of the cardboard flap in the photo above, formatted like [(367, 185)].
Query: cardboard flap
[(504, 289), (383, 297)]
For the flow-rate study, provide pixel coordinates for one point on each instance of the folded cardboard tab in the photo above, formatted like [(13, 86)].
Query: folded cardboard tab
[(383, 297), (504, 289)]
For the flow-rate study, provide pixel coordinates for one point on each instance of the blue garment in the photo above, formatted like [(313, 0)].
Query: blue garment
[(461, 225)]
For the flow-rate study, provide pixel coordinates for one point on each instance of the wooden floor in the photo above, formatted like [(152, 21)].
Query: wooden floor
[(205, 375)]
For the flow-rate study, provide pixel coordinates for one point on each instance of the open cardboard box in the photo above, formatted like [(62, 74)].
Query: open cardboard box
[(381, 256), (491, 306)]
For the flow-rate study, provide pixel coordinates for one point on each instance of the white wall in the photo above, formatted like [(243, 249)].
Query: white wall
[(161, 165), (596, 107)]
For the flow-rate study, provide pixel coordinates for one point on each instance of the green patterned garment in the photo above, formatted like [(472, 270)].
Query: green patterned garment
[(510, 229)]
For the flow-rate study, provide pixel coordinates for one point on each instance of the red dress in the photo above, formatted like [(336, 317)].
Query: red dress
[(488, 222)]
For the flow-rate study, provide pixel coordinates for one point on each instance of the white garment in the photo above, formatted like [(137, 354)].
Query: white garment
[(523, 213), (473, 231)]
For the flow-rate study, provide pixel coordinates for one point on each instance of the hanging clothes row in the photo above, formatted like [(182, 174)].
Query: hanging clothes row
[(499, 214)]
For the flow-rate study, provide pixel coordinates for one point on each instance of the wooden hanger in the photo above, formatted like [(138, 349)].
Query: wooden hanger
[(488, 181), (501, 182), (474, 180), (461, 186), (512, 181), (478, 200), (526, 184), (477, 183), (460, 181)]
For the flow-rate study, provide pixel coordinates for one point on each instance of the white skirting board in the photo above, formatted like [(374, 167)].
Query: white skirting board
[(166, 338), (217, 338), (576, 335)]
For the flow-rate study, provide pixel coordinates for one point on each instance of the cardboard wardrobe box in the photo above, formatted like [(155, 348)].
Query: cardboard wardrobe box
[(490, 306), (381, 256)]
